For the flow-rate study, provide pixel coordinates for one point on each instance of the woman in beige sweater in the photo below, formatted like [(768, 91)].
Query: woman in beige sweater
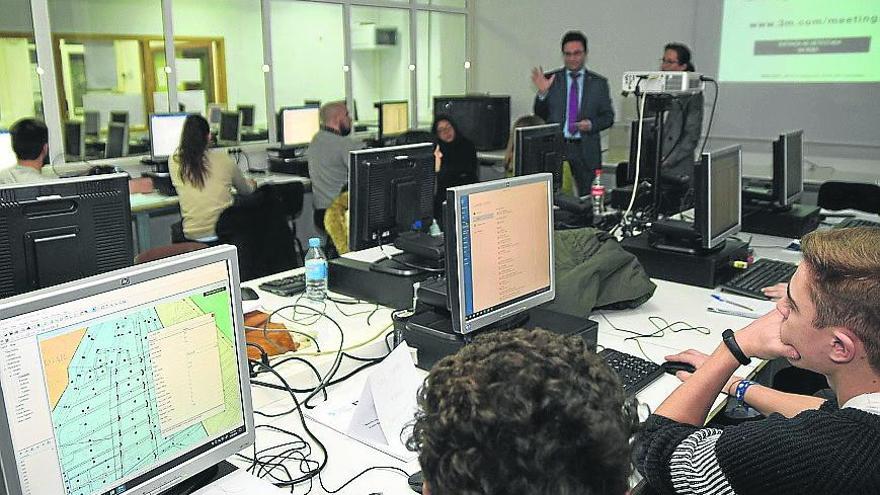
[(204, 179)]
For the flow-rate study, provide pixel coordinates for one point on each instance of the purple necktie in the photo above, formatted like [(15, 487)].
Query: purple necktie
[(573, 93)]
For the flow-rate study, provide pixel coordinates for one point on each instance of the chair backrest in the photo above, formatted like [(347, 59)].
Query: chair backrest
[(835, 195)]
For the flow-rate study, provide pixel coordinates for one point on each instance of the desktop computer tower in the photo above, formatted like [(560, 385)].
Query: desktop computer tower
[(702, 270), (793, 223), (483, 119)]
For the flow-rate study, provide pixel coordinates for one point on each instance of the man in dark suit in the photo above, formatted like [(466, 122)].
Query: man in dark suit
[(579, 100)]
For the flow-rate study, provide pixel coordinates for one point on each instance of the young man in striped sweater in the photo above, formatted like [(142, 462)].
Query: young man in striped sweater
[(829, 323)]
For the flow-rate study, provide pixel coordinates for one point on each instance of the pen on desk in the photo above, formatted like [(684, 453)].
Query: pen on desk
[(728, 301)]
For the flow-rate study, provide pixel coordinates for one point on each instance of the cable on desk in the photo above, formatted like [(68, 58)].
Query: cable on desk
[(365, 471), (661, 326), (266, 462)]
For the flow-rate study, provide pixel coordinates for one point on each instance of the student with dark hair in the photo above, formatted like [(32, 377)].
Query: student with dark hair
[(204, 179), (458, 165), (578, 100), (522, 412), (827, 322), (684, 120), (30, 142)]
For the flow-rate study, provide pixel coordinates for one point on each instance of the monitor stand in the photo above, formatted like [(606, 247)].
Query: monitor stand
[(201, 480)]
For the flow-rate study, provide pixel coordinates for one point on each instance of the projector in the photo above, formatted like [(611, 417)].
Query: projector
[(662, 82)]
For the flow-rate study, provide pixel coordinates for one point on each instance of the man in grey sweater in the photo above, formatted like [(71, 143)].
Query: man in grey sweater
[(328, 157)]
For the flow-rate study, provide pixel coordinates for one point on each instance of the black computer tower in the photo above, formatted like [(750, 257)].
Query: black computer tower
[(483, 119)]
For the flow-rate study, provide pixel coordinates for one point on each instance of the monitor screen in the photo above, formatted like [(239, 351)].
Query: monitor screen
[(117, 140), (63, 230), (299, 125), (391, 190), (92, 121), (794, 166), (214, 111), (539, 149), (499, 249), (718, 204), (125, 382), (165, 130), (394, 118), (119, 117), (230, 127), (247, 115), (74, 140), (7, 154)]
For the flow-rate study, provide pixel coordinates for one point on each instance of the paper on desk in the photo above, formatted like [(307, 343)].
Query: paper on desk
[(387, 403), (372, 255), (240, 482), (757, 307)]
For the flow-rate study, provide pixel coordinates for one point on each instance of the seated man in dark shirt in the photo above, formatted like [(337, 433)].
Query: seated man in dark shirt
[(828, 322), (522, 412)]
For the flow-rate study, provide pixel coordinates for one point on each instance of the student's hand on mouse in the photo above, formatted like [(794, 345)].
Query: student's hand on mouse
[(541, 82), (692, 357), (775, 292)]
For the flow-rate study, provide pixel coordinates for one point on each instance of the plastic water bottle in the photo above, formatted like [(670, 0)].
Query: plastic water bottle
[(316, 271), (597, 192)]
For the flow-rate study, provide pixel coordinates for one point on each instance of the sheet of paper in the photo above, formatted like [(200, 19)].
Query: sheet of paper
[(373, 254), (395, 384), (734, 305), (240, 482)]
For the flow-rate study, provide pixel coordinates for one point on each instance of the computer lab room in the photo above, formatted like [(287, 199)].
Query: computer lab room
[(484, 247)]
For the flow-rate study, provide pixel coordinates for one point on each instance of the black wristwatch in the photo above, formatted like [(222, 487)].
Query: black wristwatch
[(730, 342)]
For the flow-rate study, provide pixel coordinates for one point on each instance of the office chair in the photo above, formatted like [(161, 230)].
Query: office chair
[(834, 195)]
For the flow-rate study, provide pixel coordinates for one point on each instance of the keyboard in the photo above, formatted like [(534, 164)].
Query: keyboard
[(635, 373), (762, 273), (287, 286), (856, 222)]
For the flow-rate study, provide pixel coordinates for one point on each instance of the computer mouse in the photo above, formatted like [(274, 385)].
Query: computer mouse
[(672, 367), (415, 482)]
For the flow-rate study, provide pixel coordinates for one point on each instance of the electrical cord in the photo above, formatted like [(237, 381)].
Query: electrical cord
[(365, 471), (712, 114), (632, 198), (661, 326)]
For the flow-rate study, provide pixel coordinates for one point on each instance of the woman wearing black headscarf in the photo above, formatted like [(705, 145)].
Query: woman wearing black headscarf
[(459, 163)]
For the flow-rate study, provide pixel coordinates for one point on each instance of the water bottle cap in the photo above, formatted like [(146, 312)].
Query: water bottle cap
[(315, 242)]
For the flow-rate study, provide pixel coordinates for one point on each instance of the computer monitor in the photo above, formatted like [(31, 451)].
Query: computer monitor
[(499, 249), (718, 201), (126, 383), (299, 125), (393, 118), (74, 140), (7, 154), (788, 168), (539, 149), (391, 190), (312, 103), (230, 128), (484, 119), (63, 230), (165, 130), (120, 117), (92, 122), (247, 116), (213, 111), (648, 152), (117, 140)]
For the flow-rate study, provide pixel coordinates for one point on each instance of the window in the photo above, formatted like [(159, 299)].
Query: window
[(111, 58), (441, 53), (380, 59), (218, 47), (308, 53), (20, 94), (445, 3)]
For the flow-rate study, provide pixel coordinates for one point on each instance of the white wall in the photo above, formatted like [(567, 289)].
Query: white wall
[(512, 36)]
